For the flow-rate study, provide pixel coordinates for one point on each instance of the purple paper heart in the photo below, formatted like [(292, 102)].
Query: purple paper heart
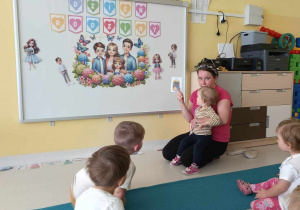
[(76, 4)]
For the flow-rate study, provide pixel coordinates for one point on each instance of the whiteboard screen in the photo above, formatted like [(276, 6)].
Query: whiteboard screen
[(64, 73)]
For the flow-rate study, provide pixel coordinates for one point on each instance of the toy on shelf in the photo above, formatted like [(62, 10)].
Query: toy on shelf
[(285, 41)]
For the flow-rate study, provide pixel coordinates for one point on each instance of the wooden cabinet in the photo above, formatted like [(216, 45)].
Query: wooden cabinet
[(248, 123), (271, 89)]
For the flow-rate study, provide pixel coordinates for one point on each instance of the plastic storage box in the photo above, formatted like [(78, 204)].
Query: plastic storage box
[(253, 37)]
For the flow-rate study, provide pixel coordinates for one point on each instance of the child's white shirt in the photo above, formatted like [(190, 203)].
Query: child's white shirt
[(82, 180), (289, 171), (61, 67), (97, 199)]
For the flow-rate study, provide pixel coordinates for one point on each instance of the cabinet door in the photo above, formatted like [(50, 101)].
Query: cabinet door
[(267, 81), (266, 97), (247, 115), (275, 114), (232, 82), (247, 131)]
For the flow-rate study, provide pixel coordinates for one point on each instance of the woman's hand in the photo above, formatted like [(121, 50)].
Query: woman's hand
[(203, 125), (193, 124), (180, 97)]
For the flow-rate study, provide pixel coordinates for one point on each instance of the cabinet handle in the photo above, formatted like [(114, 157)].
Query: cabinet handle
[(256, 75), (254, 91), (281, 74), (282, 90), (254, 124), (255, 108)]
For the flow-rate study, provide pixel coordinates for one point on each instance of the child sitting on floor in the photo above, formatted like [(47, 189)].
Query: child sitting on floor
[(127, 134), (275, 193), (201, 134), (107, 168)]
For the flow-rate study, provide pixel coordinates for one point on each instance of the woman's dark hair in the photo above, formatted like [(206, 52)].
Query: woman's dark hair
[(207, 65)]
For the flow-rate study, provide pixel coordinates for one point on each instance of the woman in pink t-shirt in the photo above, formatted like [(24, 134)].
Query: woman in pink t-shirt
[(207, 76)]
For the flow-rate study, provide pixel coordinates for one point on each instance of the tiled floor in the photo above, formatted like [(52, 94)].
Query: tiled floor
[(49, 185)]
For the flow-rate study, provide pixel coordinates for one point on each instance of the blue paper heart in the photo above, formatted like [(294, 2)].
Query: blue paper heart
[(93, 24), (109, 7), (76, 3)]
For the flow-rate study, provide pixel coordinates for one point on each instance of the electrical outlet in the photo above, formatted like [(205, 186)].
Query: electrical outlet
[(221, 18)]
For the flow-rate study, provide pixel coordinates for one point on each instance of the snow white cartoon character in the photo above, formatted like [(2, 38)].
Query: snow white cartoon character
[(31, 49), (173, 55), (157, 69), (119, 66)]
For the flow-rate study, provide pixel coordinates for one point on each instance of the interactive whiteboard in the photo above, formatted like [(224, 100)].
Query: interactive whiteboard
[(81, 59)]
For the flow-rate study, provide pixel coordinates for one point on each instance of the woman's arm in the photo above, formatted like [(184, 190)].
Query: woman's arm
[(224, 108), (186, 110), (276, 190)]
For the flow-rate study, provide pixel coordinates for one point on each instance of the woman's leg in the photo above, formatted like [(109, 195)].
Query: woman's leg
[(214, 150), (170, 150)]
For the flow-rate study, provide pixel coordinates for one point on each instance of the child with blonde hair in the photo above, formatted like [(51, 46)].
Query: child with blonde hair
[(130, 136), (107, 169), (201, 134), (275, 193)]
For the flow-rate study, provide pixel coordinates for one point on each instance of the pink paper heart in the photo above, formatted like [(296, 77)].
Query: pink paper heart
[(75, 23), (109, 25), (141, 9), (154, 28)]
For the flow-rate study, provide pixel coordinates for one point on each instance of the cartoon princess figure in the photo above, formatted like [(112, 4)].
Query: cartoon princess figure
[(31, 49), (110, 54), (157, 69), (119, 66)]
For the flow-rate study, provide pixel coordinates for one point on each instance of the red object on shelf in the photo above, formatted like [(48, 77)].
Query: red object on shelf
[(294, 51), (271, 32)]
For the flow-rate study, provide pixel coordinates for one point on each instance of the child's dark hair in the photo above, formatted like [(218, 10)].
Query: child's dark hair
[(128, 134), (289, 130), (98, 44), (57, 59), (128, 41), (209, 94), (174, 46), (108, 165), (207, 65)]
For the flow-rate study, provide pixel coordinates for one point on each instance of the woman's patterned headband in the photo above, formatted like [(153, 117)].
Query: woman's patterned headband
[(209, 66)]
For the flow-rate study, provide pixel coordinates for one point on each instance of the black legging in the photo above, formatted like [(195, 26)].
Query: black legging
[(214, 150)]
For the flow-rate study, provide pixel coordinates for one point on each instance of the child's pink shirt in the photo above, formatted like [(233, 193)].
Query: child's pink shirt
[(219, 133)]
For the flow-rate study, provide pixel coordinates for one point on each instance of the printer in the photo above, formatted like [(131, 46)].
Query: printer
[(273, 59), (240, 64)]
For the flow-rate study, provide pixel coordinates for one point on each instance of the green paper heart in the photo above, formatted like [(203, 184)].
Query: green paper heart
[(93, 5), (125, 27)]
